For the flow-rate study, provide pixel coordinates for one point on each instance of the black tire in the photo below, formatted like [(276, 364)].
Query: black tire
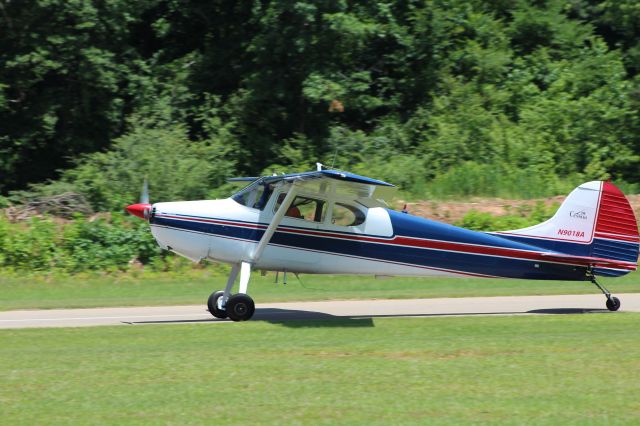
[(613, 304), (212, 304), (240, 307)]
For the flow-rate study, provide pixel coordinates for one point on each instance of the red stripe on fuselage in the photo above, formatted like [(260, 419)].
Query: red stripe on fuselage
[(423, 243)]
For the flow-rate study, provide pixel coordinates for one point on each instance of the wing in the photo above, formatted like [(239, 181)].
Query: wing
[(243, 179), (366, 191)]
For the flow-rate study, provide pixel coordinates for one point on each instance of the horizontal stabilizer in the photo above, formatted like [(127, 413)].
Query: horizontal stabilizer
[(590, 261)]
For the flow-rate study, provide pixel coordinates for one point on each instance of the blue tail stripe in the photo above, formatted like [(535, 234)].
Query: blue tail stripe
[(615, 250)]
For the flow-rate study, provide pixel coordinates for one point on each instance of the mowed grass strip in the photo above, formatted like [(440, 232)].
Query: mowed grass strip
[(194, 288), (563, 369)]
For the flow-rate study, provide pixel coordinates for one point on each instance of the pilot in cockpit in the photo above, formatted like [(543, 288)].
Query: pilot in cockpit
[(294, 211)]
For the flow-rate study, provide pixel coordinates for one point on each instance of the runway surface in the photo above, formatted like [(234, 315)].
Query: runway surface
[(290, 311)]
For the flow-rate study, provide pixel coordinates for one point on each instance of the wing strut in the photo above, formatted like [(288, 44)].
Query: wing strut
[(275, 222), (244, 267)]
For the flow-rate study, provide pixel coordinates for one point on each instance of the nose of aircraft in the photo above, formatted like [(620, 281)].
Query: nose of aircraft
[(141, 210)]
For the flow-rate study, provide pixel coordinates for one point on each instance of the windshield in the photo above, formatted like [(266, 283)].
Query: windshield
[(255, 195)]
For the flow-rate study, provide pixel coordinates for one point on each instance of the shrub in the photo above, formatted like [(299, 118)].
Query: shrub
[(176, 168), (108, 243), (527, 216)]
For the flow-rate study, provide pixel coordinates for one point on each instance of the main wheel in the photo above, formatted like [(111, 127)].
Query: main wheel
[(613, 304), (240, 307), (212, 304)]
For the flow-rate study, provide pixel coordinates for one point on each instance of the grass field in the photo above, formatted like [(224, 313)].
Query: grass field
[(562, 369), (194, 288)]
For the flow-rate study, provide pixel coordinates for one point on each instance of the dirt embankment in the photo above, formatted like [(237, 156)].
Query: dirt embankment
[(453, 211)]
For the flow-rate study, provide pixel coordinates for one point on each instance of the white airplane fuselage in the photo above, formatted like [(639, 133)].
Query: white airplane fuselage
[(331, 222), (385, 243), (240, 224)]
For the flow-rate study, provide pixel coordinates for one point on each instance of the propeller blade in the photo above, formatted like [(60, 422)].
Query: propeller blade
[(144, 196), (143, 208)]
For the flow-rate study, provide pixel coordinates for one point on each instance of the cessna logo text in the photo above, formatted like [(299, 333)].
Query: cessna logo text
[(578, 214)]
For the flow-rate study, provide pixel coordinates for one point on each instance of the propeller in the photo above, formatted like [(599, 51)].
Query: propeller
[(143, 208)]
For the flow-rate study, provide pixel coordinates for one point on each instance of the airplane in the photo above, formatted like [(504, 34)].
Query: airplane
[(334, 222)]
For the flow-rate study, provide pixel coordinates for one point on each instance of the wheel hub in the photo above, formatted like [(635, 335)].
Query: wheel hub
[(240, 309)]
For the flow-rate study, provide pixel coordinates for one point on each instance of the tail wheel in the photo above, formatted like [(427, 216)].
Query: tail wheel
[(212, 304), (240, 307)]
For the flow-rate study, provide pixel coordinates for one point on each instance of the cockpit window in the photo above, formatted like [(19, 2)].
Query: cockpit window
[(346, 215), (255, 195), (307, 208)]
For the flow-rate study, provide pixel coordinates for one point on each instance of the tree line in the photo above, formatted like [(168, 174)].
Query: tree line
[(454, 97)]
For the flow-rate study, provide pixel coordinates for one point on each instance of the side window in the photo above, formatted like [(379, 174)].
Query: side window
[(307, 208), (346, 215)]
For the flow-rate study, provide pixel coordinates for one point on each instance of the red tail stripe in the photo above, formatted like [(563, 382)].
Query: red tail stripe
[(609, 220), (615, 215), (622, 230)]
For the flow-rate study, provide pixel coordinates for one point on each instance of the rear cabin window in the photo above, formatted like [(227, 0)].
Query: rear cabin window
[(307, 208), (346, 215)]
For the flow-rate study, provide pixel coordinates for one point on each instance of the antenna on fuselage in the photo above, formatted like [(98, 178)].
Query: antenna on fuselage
[(333, 163)]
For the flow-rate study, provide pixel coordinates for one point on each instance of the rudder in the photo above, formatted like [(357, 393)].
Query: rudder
[(616, 231)]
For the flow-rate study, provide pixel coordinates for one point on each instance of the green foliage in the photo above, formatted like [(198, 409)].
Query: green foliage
[(100, 245), (32, 248), (526, 216), (460, 97), (65, 82), (113, 244), (4, 202), (495, 180), (175, 167)]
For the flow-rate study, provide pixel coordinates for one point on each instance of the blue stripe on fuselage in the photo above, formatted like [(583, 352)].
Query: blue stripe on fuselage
[(410, 226)]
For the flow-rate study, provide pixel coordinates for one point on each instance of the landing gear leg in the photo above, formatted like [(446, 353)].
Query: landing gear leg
[(613, 303), (237, 307), (240, 307), (218, 300)]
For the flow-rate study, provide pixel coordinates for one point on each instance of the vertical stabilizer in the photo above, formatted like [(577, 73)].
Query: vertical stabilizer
[(575, 220), (595, 220)]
